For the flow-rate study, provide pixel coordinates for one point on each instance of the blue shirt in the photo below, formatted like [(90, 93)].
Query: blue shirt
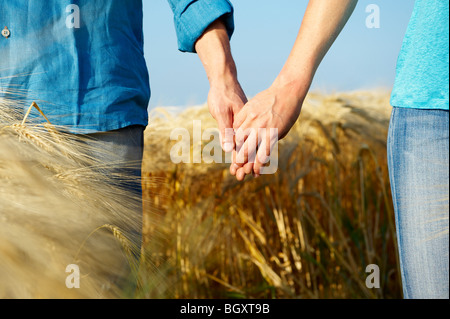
[(83, 62), (422, 68)]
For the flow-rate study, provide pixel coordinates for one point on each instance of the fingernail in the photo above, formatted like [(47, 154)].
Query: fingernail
[(256, 175), (228, 147)]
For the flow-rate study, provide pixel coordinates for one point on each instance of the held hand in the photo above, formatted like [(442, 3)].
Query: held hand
[(276, 108), (224, 102), (226, 96)]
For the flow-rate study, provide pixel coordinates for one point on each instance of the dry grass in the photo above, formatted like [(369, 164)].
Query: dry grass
[(308, 231), (52, 198)]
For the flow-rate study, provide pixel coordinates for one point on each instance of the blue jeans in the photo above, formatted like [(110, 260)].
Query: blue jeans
[(418, 155), (120, 153), (127, 145)]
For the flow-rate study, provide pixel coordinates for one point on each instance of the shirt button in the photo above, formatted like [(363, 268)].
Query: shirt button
[(6, 33)]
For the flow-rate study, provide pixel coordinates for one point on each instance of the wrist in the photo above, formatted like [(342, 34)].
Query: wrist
[(296, 85), (213, 48), (223, 77), (297, 75)]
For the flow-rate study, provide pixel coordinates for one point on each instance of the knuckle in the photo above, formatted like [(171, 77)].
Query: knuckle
[(253, 115)]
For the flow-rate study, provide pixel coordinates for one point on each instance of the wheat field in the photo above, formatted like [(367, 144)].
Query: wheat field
[(308, 231)]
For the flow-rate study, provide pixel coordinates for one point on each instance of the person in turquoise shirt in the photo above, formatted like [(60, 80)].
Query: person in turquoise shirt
[(418, 141)]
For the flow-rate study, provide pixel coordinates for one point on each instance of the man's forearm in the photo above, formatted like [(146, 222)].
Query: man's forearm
[(322, 23), (213, 49), (226, 97)]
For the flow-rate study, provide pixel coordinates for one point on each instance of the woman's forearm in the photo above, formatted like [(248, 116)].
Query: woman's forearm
[(322, 23)]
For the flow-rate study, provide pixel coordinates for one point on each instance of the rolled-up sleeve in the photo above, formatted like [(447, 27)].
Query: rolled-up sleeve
[(192, 18)]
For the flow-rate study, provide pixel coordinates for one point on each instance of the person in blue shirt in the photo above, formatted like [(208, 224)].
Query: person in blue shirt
[(82, 62), (418, 141)]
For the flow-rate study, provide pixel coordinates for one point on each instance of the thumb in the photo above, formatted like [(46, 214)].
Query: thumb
[(225, 123)]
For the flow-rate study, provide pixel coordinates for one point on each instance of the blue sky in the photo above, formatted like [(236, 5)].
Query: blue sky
[(361, 58)]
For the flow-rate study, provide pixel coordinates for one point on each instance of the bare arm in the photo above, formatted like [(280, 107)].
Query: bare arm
[(226, 96), (322, 23), (280, 105)]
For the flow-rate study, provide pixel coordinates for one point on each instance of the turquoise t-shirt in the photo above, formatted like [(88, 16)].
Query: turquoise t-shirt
[(422, 68)]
